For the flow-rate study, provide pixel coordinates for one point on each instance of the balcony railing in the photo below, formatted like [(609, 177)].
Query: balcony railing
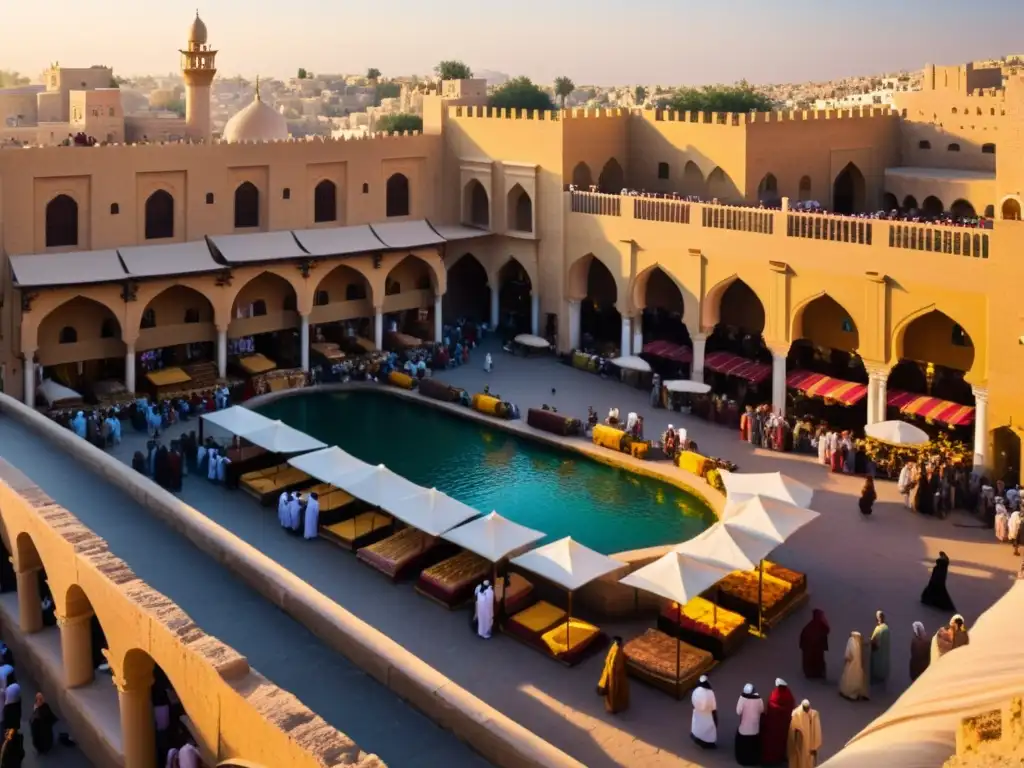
[(852, 230)]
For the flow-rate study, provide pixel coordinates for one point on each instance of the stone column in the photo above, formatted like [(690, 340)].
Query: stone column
[(76, 648), (535, 313), (222, 353), (627, 336), (638, 334), (700, 341), (981, 459), (574, 323), (779, 383), (129, 368), (378, 327), (304, 340), (30, 381), (495, 308), (138, 730), (438, 328), (30, 605), (877, 394)]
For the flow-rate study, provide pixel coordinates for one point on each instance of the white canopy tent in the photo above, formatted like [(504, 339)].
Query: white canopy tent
[(736, 549), (897, 433), (53, 393), (529, 340), (237, 420), (332, 466), (567, 563), (686, 386), (772, 485), (278, 437), (493, 537), (632, 363), (434, 512), (766, 517)]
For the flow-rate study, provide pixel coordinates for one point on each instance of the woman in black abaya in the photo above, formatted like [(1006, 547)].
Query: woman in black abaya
[(935, 594)]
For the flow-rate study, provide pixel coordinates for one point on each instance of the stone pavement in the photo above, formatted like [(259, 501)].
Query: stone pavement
[(854, 567)]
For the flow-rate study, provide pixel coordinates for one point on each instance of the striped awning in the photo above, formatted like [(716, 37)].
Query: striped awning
[(827, 388), (931, 408), (741, 367), (668, 351)]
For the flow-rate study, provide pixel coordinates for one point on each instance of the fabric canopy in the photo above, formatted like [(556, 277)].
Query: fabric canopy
[(567, 563), (434, 512), (677, 577), (919, 730), (529, 340), (931, 408), (493, 537), (736, 549), (687, 386), (237, 420), (669, 351), (897, 433), (768, 518), (734, 365), (278, 437), (827, 388), (332, 466), (632, 363), (772, 485), (53, 392)]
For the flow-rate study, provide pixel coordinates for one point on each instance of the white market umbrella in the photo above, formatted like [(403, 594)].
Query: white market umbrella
[(686, 386), (772, 485), (493, 537), (435, 512), (632, 363), (897, 433), (679, 578), (278, 437), (529, 340), (734, 548)]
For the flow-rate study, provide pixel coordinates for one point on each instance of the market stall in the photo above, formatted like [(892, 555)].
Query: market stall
[(57, 395)]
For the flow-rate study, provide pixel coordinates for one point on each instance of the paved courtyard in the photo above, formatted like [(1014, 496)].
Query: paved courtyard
[(854, 567)]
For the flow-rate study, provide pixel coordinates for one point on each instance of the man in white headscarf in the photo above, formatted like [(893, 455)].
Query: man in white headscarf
[(312, 522), (853, 683), (211, 467), (704, 721), (804, 736), (282, 508), (484, 610), (750, 709), (294, 513)]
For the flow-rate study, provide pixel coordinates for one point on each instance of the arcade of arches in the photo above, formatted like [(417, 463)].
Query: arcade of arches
[(506, 299)]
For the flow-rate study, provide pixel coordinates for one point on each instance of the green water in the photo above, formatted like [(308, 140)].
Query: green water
[(559, 492)]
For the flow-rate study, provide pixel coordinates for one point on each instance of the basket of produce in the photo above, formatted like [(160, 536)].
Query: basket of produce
[(610, 437), (739, 590), (704, 625)]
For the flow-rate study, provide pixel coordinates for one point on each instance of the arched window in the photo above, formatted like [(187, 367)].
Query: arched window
[(988, 149), (61, 222), (108, 329), (990, 211), (159, 215), (1011, 209), (191, 315), (209, 198), (392, 287), (663, 170), (520, 210), (954, 147), (258, 308), (247, 206), (325, 202), (148, 319), (321, 299), (286, 193), (355, 292), (397, 196), (923, 144), (68, 335), (805, 188)]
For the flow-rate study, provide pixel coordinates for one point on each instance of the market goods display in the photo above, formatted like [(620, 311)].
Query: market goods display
[(738, 592), (400, 379), (796, 580), (492, 406), (438, 390), (665, 662), (585, 362), (610, 437), (551, 421), (704, 626)]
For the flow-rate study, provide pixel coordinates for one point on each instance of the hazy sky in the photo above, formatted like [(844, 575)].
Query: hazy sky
[(597, 41)]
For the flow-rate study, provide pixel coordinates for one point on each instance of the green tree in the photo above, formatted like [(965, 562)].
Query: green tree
[(639, 95), (373, 74), (177, 106), (453, 70), (399, 123), (564, 88), (10, 79), (720, 98), (302, 73), (385, 91), (521, 93)]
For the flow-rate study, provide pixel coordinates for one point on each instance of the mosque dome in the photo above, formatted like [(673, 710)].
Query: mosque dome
[(197, 32), (257, 122)]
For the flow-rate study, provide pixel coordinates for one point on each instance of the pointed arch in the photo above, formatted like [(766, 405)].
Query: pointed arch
[(519, 213), (929, 335), (720, 186), (962, 209), (804, 189), (1011, 209), (612, 179), (824, 322), (411, 273), (476, 204), (693, 180), (515, 288), (733, 302), (909, 203), (178, 314), (889, 202), (768, 189), (469, 290), (343, 293), (159, 215), (247, 206), (932, 206), (325, 202), (266, 302), (396, 196), (74, 331), (657, 287), (578, 280), (594, 283), (581, 176), (62, 222), (849, 190)]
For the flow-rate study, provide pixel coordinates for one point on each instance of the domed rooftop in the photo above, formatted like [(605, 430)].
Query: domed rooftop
[(197, 32), (257, 122)]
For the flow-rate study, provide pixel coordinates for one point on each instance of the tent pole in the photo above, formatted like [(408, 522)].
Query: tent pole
[(679, 645), (201, 420), (568, 618), (760, 598)]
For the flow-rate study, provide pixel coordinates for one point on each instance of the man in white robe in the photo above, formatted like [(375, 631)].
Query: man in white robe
[(282, 509), (704, 722), (484, 610), (312, 521), (211, 468), (222, 468), (804, 737), (294, 510)]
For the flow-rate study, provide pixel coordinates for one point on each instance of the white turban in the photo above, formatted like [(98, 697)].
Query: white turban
[(780, 682), (748, 689), (703, 678), (805, 704)]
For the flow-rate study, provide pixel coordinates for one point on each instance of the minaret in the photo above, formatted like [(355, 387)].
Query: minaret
[(198, 65)]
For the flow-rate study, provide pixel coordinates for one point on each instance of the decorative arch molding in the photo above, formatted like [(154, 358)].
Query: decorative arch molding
[(529, 266), (798, 309), (46, 303), (480, 258), (579, 270), (303, 287), (326, 270), (147, 292), (899, 332), (477, 207), (711, 305), (638, 290), (435, 267)]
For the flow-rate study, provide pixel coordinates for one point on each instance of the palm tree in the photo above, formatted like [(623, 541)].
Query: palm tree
[(564, 88)]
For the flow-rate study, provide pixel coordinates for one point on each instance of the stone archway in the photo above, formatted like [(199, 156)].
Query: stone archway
[(962, 209), (735, 317), (825, 339), (159, 215), (325, 202), (720, 186), (519, 213), (468, 293), (932, 206), (1011, 209), (663, 304), (83, 642), (932, 336), (32, 586), (247, 206), (81, 342), (143, 687), (768, 189), (693, 181), (600, 321), (515, 290), (889, 202), (849, 194), (180, 320), (397, 196), (909, 203), (612, 179), (62, 222), (476, 205), (582, 179)]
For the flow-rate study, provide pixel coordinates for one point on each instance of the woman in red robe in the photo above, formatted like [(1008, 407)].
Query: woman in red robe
[(813, 644), (745, 424), (775, 724)]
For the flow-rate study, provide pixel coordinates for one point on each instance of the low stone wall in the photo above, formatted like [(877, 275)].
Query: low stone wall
[(605, 597), (234, 710), (494, 735)]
